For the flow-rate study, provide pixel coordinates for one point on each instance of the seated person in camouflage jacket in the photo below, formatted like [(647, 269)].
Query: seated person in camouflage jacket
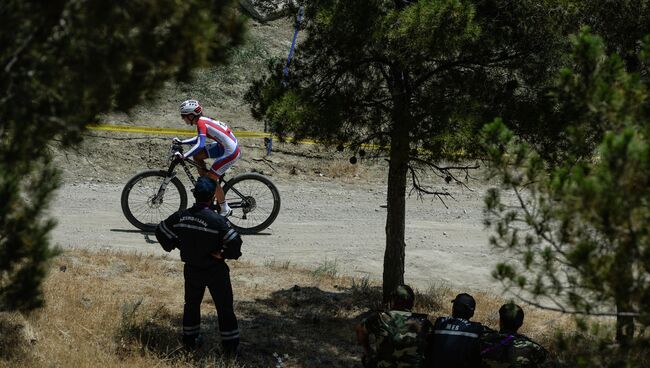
[(392, 338), (507, 348)]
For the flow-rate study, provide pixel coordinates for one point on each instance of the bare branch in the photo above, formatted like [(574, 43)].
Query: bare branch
[(575, 312), (17, 53), (444, 172), (416, 185)]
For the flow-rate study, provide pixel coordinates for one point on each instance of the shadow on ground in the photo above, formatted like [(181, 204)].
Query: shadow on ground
[(295, 327)]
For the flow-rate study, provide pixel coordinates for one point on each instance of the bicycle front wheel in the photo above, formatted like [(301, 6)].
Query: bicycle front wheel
[(255, 202), (146, 201)]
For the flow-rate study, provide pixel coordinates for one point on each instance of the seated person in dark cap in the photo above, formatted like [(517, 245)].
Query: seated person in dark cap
[(453, 342), (392, 338), (507, 348)]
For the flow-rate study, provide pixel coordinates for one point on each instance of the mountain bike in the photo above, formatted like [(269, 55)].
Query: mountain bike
[(152, 195)]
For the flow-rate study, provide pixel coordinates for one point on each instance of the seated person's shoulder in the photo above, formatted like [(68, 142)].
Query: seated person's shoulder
[(529, 352), (441, 320), (492, 337), (476, 326), (420, 318), (461, 324), (486, 331), (367, 316), (523, 342)]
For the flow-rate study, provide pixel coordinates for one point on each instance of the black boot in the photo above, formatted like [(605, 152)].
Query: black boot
[(192, 343), (231, 349)]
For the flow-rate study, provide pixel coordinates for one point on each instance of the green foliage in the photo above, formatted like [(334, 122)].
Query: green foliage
[(580, 227), (416, 80), (23, 256), (64, 63), (596, 95), (450, 63), (621, 24)]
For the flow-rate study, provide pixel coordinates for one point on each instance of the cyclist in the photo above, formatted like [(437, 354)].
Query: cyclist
[(224, 150)]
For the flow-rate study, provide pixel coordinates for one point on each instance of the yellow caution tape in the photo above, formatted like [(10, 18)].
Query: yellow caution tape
[(183, 132), (178, 132), (150, 130)]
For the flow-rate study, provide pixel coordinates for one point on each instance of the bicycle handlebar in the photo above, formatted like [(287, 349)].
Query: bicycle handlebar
[(176, 148)]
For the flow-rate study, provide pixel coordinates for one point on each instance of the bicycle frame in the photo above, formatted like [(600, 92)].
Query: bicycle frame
[(244, 204)]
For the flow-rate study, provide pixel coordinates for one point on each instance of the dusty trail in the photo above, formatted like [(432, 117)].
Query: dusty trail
[(320, 221)]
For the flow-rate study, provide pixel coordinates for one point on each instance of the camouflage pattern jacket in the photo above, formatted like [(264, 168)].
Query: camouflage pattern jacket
[(503, 350), (395, 339)]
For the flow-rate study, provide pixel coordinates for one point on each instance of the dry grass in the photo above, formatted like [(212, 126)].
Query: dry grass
[(343, 169), (111, 309)]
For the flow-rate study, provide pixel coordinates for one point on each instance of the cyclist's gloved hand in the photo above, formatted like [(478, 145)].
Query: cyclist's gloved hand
[(176, 140), (178, 156)]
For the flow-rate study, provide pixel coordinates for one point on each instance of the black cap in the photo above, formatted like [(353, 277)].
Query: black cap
[(204, 188), (466, 300)]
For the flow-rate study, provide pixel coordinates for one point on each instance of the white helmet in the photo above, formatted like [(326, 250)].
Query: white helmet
[(191, 107)]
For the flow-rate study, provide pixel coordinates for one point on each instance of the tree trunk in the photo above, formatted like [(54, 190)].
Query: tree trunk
[(624, 325), (395, 221), (623, 286), (398, 168)]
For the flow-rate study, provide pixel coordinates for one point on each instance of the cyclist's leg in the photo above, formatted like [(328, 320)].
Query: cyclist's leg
[(199, 158), (218, 192), (219, 167)]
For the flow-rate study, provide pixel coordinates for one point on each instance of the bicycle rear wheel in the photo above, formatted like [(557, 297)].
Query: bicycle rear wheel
[(255, 202), (141, 204)]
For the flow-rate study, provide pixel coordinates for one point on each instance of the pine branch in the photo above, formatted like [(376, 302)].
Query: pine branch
[(576, 312), (421, 190), (444, 171), (538, 230)]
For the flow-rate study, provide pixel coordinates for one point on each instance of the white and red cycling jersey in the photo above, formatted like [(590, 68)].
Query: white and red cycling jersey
[(225, 149), (215, 130)]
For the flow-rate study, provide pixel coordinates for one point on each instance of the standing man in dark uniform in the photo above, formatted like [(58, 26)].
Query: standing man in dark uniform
[(205, 239), (453, 342)]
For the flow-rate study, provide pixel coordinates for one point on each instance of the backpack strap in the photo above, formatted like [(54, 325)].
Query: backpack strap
[(501, 343)]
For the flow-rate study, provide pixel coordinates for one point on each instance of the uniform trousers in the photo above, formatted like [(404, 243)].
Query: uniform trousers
[(217, 279)]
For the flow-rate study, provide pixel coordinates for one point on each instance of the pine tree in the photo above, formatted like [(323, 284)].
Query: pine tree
[(63, 63), (579, 228), (414, 78)]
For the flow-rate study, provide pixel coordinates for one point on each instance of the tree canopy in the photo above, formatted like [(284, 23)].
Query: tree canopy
[(63, 63), (621, 26), (579, 228), (415, 79)]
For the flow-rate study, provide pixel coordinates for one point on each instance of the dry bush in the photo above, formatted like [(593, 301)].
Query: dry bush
[(343, 169), (365, 294), (16, 336), (592, 344), (276, 264), (434, 300), (327, 269)]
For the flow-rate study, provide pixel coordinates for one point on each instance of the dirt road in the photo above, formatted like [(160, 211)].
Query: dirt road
[(321, 222)]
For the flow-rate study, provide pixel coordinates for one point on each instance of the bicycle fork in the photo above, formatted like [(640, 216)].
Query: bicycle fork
[(171, 174), (158, 198)]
